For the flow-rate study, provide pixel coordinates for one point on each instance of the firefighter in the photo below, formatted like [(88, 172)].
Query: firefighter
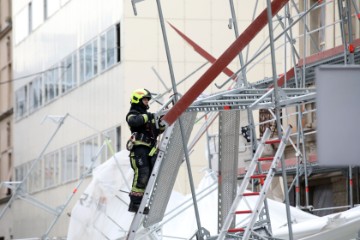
[(142, 144)]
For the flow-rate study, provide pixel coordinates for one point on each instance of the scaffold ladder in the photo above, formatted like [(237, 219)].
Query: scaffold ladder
[(242, 195)]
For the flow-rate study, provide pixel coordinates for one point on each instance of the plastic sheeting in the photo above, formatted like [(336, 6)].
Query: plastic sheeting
[(101, 212)]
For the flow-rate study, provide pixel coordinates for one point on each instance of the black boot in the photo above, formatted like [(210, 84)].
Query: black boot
[(133, 207), (135, 201)]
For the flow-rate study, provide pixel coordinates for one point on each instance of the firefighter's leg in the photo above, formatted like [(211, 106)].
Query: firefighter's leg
[(141, 166)]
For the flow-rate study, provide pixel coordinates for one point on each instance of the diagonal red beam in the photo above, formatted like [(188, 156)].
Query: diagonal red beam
[(227, 71), (202, 52), (231, 52), (281, 80)]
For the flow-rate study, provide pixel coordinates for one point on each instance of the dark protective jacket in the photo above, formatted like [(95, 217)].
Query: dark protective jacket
[(142, 123)]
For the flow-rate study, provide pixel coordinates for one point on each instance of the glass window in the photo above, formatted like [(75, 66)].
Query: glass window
[(38, 13), (82, 65), (114, 136), (35, 90), (69, 164), (110, 42), (51, 6), (89, 61), (95, 56), (21, 171), (51, 167), (110, 47), (68, 75), (35, 176), (103, 51), (21, 102), (88, 150), (22, 24), (51, 84)]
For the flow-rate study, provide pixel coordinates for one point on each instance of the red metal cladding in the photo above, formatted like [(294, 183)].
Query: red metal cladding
[(235, 230), (272, 141), (281, 80), (258, 176), (251, 194), (232, 51), (265, 159), (243, 212)]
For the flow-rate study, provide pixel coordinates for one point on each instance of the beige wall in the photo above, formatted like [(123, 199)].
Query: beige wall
[(6, 111), (6, 102), (104, 101)]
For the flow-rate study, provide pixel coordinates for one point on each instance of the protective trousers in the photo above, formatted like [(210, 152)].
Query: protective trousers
[(142, 165)]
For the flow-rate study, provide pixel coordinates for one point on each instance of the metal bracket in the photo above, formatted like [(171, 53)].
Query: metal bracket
[(133, 2)]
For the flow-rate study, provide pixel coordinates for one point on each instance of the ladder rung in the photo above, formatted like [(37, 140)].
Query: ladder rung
[(265, 159), (258, 176), (271, 141), (243, 212), (251, 194), (234, 230)]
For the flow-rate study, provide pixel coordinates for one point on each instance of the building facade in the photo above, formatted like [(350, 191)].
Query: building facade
[(6, 111), (76, 63)]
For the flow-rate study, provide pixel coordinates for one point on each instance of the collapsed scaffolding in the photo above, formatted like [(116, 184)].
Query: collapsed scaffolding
[(227, 107), (265, 94)]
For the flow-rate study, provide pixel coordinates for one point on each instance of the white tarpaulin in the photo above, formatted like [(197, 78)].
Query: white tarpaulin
[(101, 212)]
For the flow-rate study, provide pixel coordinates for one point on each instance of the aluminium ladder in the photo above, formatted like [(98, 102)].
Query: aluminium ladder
[(257, 159)]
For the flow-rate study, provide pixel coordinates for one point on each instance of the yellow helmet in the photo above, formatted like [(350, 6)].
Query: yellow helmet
[(139, 94)]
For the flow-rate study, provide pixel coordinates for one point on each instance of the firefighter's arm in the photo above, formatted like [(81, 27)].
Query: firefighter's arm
[(159, 124), (136, 120)]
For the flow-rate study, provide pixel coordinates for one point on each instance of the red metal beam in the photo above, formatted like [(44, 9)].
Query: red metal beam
[(233, 50), (326, 54), (281, 80), (202, 51)]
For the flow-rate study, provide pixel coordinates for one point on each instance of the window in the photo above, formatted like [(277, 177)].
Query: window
[(35, 177), (110, 47), (69, 164), (88, 61), (114, 136), (21, 102), (51, 6), (51, 167), (68, 75), (37, 13), (22, 25), (51, 80), (35, 92), (88, 150)]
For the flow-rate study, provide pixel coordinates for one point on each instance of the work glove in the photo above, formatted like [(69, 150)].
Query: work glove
[(150, 116), (160, 122)]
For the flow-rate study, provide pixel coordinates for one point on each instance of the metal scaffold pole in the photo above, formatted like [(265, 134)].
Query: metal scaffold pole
[(277, 113), (184, 143), (20, 185)]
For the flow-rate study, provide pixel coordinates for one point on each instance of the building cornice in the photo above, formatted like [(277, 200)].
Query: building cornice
[(6, 114)]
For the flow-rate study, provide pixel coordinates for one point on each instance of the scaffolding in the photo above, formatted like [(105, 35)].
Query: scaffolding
[(294, 88)]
